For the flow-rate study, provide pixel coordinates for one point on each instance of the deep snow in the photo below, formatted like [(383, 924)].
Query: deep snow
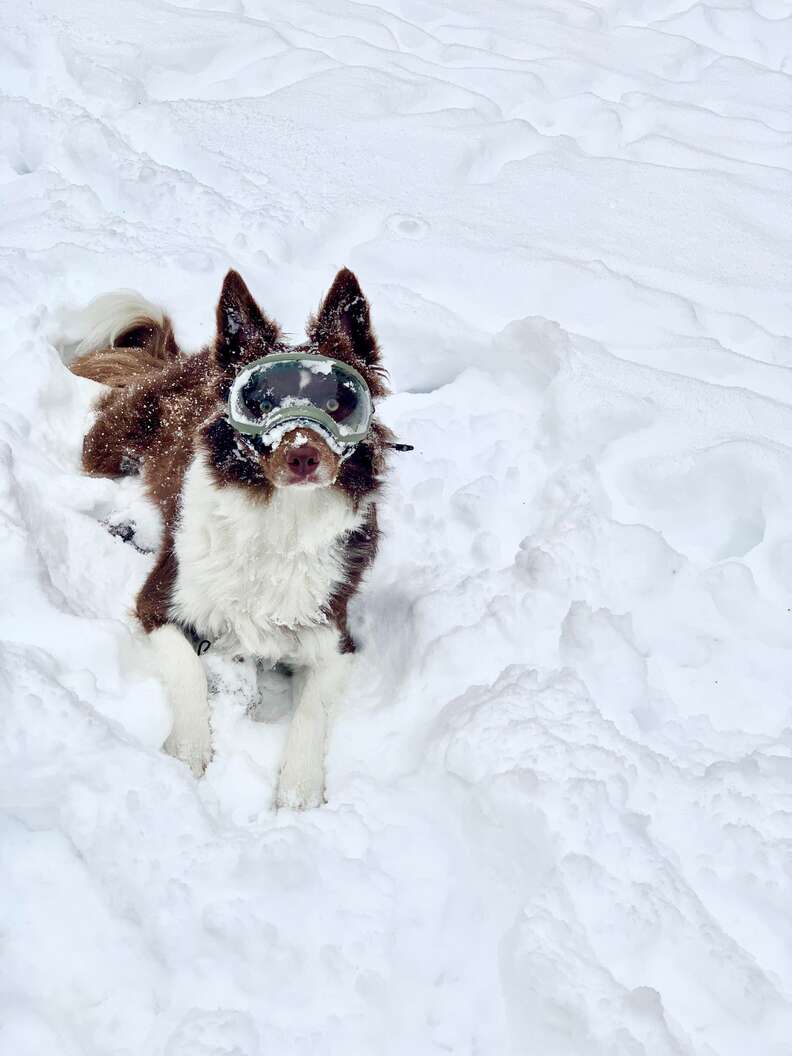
[(559, 794)]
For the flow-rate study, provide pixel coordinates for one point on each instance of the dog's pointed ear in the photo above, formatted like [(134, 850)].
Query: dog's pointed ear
[(244, 333), (345, 313)]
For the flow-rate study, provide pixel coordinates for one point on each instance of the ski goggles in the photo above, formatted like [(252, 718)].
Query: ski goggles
[(279, 392)]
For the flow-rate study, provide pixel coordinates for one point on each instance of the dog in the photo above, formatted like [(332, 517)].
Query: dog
[(267, 483)]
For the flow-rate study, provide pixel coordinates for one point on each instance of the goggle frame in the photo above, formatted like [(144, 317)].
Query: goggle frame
[(308, 414)]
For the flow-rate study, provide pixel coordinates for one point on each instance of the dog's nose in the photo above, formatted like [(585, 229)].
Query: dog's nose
[(303, 461)]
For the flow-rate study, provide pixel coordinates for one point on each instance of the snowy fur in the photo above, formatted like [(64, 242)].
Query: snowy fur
[(184, 679), (319, 687), (254, 576), (101, 321)]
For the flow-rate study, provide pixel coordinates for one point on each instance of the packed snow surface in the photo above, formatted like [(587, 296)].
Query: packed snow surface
[(558, 817)]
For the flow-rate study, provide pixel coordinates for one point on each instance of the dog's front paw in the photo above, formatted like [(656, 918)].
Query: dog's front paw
[(299, 789), (193, 748)]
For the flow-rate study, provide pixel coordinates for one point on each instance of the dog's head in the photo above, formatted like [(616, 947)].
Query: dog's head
[(296, 455)]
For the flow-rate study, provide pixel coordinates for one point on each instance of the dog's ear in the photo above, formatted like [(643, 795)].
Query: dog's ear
[(345, 313), (244, 333)]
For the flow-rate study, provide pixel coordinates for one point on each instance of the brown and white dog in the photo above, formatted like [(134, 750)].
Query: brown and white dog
[(262, 548)]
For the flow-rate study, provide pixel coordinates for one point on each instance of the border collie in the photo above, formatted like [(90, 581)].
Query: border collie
[(265, 462)]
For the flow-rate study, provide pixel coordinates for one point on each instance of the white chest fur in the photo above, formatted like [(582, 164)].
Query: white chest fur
[(253, 576)]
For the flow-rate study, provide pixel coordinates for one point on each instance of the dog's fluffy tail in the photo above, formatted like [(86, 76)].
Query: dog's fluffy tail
[(122, 338)]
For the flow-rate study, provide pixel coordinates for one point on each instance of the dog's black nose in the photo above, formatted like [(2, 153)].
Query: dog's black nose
[(303, 461)]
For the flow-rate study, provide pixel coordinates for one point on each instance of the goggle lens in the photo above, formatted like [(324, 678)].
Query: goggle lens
[(314, 389)]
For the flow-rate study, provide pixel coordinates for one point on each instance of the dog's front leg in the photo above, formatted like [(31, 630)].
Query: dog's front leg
[(318, 687), (185, 684)]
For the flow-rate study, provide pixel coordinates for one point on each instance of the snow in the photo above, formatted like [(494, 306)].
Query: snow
[(559, 794)]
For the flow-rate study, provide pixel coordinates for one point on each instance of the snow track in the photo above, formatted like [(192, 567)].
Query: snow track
[(559, 796)]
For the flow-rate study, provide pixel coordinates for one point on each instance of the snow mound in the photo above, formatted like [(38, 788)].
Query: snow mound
[(559, 794)]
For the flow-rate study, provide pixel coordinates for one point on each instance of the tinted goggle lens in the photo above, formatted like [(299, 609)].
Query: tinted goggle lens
[(314, 389)]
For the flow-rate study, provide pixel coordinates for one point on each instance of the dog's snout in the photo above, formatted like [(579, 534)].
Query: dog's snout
[(303, 461)]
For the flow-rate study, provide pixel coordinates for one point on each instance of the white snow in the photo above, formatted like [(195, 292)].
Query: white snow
[(559, 794)]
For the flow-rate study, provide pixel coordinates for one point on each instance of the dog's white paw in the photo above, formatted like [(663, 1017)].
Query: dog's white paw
[(193, 748), (300, 789)]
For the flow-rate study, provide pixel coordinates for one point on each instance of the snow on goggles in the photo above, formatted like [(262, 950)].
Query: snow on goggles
[(278, 392)]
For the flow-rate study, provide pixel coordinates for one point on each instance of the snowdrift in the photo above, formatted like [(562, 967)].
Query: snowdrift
[(559, 794)]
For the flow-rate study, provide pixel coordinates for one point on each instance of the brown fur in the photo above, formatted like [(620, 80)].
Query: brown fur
[(361, 549), (153, 601), (144, 349), (163, 405)]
